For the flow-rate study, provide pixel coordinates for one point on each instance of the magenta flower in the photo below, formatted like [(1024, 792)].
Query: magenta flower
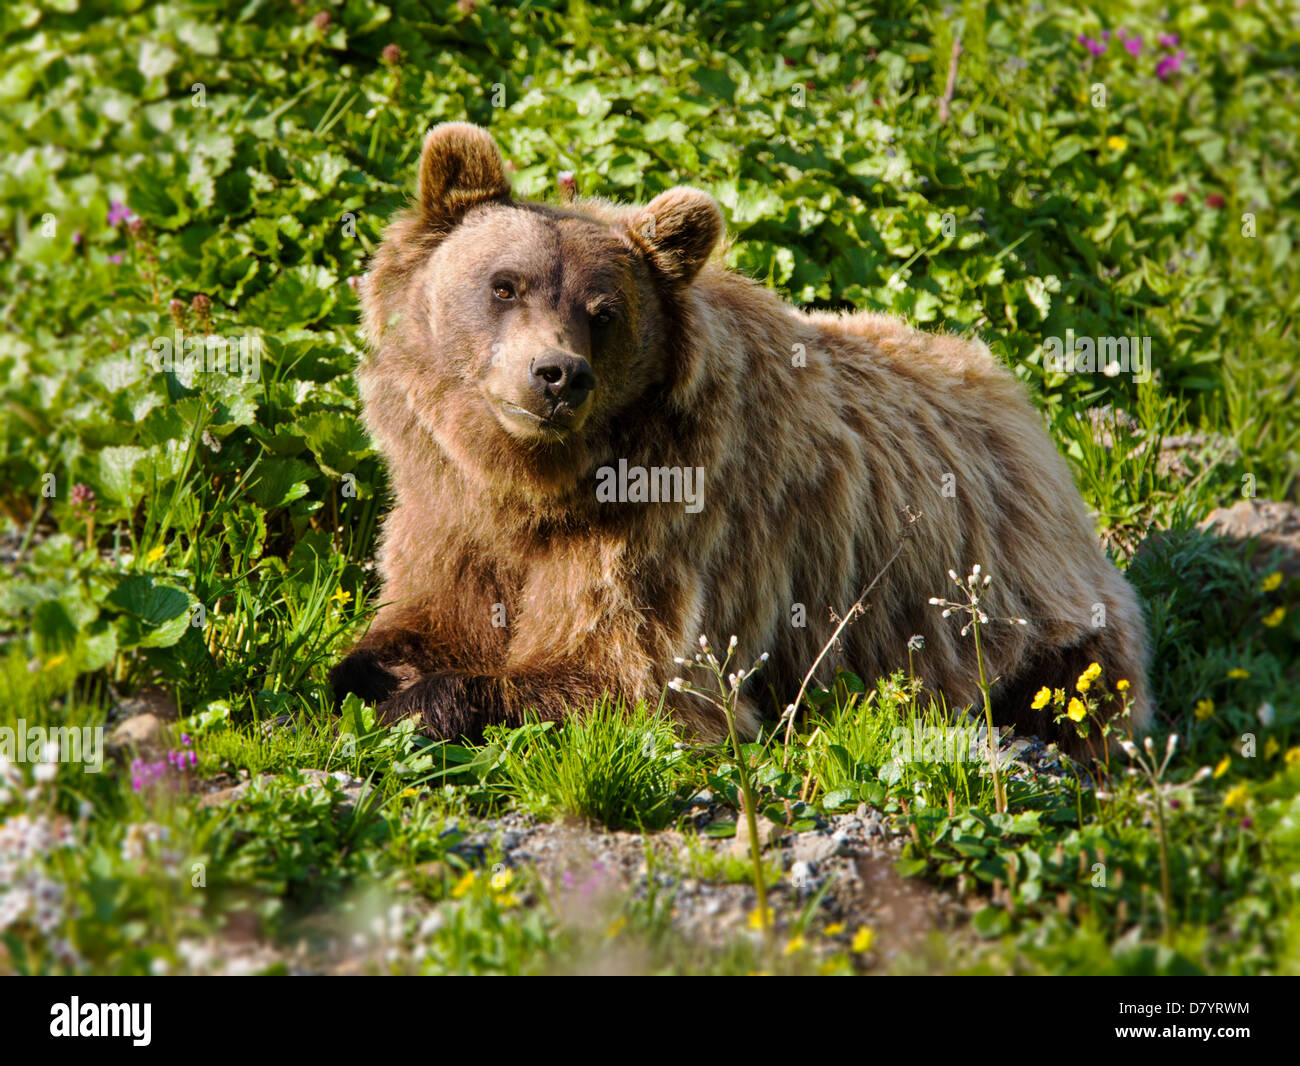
[(118, 213), (1171, 64), (1093, 46), (1133, 45), (115, 259), (1167, 40)]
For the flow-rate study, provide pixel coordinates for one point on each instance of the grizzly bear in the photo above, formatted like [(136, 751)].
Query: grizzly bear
[(604, 444)]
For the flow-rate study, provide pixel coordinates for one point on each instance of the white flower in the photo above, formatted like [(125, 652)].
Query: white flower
[(1265, 714)]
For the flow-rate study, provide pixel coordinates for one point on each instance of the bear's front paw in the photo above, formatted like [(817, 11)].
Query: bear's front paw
[(362, 672), (452, 706)]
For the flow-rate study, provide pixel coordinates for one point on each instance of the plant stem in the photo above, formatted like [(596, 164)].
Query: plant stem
[(999, 796)]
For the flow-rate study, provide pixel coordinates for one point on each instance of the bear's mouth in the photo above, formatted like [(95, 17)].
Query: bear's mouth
[(561, 422)]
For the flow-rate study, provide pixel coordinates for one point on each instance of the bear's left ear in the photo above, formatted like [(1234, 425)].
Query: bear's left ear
[(677, 230), (460, 167)]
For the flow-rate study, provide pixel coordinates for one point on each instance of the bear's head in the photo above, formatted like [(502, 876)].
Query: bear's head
[(517, 335)]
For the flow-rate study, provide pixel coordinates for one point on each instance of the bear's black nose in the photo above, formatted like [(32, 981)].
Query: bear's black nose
[(562, 378)]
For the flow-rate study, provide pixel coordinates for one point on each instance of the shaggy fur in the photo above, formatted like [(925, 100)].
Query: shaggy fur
[(510, 588)]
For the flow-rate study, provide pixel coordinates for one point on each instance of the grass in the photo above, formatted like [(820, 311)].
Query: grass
[(209, 536)]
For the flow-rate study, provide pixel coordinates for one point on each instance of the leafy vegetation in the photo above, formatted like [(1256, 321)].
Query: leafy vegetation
[(199, 169)]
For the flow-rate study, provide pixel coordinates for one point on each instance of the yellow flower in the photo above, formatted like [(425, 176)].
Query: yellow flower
[(796, 945), (1041, 698), (461, 888), (1271, 582), (1222, 768), (156, 553), (408, 792), (501, 880), (1076, 711), (342, 597), (1204, 709), (1292, 757), (862, 940), (1237, 796), (1274, 617), (756, 918), (506, 900), (1116, 144), (1093, 672), (1271, 747), (1237, 673), (55, 660), (834, 929), (616, 927), (1122, 684)]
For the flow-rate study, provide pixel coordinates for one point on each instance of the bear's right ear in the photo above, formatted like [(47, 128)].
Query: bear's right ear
[(460, 167)]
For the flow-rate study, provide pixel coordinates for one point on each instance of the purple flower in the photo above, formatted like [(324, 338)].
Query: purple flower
[(76, 237), (1095, 47), (186, 739), (1134, 45), (118, 213), (115, 259), (1167, 40), (1170, 65)]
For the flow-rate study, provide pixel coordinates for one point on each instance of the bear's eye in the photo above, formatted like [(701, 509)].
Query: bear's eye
[(503, 290), (603, 317)]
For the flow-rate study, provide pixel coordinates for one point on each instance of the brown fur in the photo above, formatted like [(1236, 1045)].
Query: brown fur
[(815, 431)]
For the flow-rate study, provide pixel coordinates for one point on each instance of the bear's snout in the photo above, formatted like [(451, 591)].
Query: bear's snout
[(561, 379)]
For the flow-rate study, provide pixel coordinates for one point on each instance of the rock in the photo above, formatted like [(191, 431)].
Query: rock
[(141, 732), (148, 701), (1274, 524), (769, 833), (813, 847)]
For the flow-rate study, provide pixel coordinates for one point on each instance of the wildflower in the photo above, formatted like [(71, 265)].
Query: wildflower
[(501, 880), (1274, 617), (756, 918), (1222, 768), (1170, 64), (116, 260), (1133, 45), (862, 940), (1265, 714), (1271, 747), (568, 183), (796, 945), (1116, 144), (1238, 674), (1094, 46), (342, 597), (1236, 797), (1204, 709), (391, 55), (1271, 582), (616, 927), (1179, 198), (461, 888), (118, 213), (1076, 711), (1167, 40), (1041, 698), (321, 20), (1122, 684), (834, 929), (1292, 757), (156, 553), (1215, 200)]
